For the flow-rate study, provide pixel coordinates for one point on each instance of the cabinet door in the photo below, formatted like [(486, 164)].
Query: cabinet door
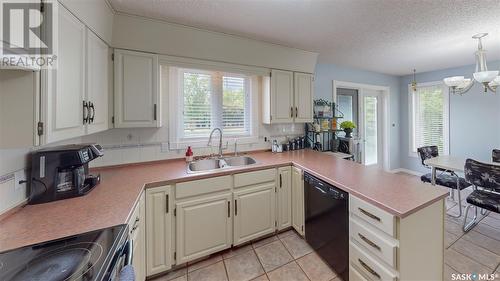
[(298, 200), (158, 229), (97, 83), (284, 200), (63, 88), (137, 99), (254, 212), (281, 96), (303, 97), (204, 226), (138, 234)]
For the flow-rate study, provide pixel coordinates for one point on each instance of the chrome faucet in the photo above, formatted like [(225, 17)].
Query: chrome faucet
[(220, 139)]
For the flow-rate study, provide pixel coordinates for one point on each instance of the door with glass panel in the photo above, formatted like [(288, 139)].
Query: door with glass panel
[(370, 129)]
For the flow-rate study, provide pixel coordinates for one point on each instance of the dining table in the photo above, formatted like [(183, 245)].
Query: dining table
[(448, 162)]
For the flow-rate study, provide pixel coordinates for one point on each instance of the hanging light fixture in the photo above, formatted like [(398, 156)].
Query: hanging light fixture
[(489, 79), (414, 82)]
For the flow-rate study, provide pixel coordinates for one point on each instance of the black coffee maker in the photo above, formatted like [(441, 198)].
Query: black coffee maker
[(62, 172)]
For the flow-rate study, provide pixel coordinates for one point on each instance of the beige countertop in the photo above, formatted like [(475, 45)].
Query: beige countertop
[(111, 202)]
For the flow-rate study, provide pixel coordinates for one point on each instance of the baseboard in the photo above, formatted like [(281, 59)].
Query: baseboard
[(407, 171)]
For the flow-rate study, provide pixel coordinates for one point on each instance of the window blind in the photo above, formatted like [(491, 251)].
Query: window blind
[(214, 99), (197, 113), (430, 118)]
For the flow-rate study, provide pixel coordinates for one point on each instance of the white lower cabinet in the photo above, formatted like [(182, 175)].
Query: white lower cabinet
[(298, 200), (204, 226), (137, 232), (284, 197), (254, 212), (158, 229)]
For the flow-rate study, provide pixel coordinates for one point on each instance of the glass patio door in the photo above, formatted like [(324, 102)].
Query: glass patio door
[(370, 127)]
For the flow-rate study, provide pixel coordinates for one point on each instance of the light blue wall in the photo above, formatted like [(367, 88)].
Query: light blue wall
[(474, 118), (326, 73)]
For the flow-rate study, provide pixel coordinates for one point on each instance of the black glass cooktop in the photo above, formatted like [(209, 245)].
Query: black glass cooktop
[(81, 257)]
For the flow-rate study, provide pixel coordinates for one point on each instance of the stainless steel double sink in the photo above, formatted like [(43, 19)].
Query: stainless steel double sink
[(208, 165)]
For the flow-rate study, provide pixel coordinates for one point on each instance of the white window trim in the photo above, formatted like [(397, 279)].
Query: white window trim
[(176, 143), (411, 117)]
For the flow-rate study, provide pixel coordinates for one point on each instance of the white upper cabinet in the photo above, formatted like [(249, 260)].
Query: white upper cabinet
[(281, 96), (287, 97), (97, 83), (64, 88), (137, 99), (303, 97)]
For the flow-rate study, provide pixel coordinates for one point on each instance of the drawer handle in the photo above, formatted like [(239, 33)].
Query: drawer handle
[(368, 241), (369, 269), (370, 215)]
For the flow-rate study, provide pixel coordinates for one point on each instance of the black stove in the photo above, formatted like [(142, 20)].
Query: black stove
[(95, 256)]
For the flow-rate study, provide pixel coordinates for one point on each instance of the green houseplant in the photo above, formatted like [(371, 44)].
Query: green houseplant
[(347, 126)]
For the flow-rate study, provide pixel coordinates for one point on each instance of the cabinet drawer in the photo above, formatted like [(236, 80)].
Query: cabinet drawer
[(256, 177), (376, 244), (199, 187), (355, 275), (373, 215), (368, 265)]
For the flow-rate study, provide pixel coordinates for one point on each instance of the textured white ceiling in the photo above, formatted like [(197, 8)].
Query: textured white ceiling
[(387, 36)]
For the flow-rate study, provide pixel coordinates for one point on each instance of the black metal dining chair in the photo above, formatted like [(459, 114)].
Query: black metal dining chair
[(495, 155), (445, 178), (486, 195)]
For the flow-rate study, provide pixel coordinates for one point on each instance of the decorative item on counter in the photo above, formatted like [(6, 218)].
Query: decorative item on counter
[(334, 124), (273, 146), (189, 154), (317, 127), (325, 125), (347, 126)]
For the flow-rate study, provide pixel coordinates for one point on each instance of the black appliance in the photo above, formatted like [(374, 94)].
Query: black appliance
[(62, 172), (327, 223), (93, 256)]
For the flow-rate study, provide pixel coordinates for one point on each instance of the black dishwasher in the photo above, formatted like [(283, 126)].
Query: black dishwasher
[(327, 223)]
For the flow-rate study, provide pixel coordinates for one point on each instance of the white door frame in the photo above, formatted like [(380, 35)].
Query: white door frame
[(385, 112)]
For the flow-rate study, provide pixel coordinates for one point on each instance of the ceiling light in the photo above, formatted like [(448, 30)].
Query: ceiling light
[(489, 79)]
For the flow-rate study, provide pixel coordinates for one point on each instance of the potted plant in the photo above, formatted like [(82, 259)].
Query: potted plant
[(347, 126)]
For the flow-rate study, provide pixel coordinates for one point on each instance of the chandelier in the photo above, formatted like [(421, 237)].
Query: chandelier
[(489, 79)]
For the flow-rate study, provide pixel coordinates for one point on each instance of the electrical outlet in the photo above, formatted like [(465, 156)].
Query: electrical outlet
[(19, 176)]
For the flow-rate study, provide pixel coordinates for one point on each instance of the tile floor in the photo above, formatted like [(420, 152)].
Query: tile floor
[(287, 256)]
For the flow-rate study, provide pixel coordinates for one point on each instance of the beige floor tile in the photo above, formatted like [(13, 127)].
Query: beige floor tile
[(463, 263), (487, 230), (182, 278), (448, 271), (493, 222), (261, 278), (264, 241), (297, 246), (214, 272), (172, 275), (195, 265), (273, 255), (315, 268), (453, 227), (477, 253), (449, 239), (484, 241), (286, 233), (243, 267), (288, 272), (238, 250)]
